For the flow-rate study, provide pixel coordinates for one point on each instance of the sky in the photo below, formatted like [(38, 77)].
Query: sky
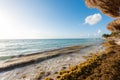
[(47, 19)]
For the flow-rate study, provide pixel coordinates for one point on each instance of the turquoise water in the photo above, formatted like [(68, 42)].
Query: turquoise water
[(28, 46)]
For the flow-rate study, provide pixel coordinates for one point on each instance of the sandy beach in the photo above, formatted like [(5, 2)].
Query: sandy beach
[(45, 63), (59, 40)]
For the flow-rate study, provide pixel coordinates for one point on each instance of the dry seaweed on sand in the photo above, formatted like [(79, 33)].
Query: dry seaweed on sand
[(104, 65)]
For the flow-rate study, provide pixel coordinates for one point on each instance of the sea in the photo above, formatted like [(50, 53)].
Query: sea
[(18, 47)]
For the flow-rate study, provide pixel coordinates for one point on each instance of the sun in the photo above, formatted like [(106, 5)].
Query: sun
[(10, 27)]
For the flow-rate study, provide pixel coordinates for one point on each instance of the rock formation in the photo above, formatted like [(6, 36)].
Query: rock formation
[(114, 26), (108, 7)]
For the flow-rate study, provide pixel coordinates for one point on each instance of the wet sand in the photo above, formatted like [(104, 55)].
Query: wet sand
[(45, 63)]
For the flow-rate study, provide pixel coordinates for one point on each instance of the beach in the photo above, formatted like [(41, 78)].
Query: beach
[(59, 40), (100, 66), (45, 63)]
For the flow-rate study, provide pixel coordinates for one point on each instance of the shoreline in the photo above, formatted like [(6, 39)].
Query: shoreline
[(3, 58), (72, 55), (103, 65), (41, 55), (29, 51)]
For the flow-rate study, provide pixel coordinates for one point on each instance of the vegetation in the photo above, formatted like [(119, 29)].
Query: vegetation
[(113, 34), (105, 35), (101, 66)]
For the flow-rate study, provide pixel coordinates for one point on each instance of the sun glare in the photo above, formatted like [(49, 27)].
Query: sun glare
[(6, 25), (10, 28)]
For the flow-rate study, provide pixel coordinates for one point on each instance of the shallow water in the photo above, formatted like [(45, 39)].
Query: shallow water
[(28, 46), (52, 65)]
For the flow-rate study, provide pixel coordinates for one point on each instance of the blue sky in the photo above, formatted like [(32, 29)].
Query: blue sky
[(49, 19)]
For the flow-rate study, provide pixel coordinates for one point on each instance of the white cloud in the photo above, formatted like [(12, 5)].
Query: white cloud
[(93, 19), (99, 31)]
